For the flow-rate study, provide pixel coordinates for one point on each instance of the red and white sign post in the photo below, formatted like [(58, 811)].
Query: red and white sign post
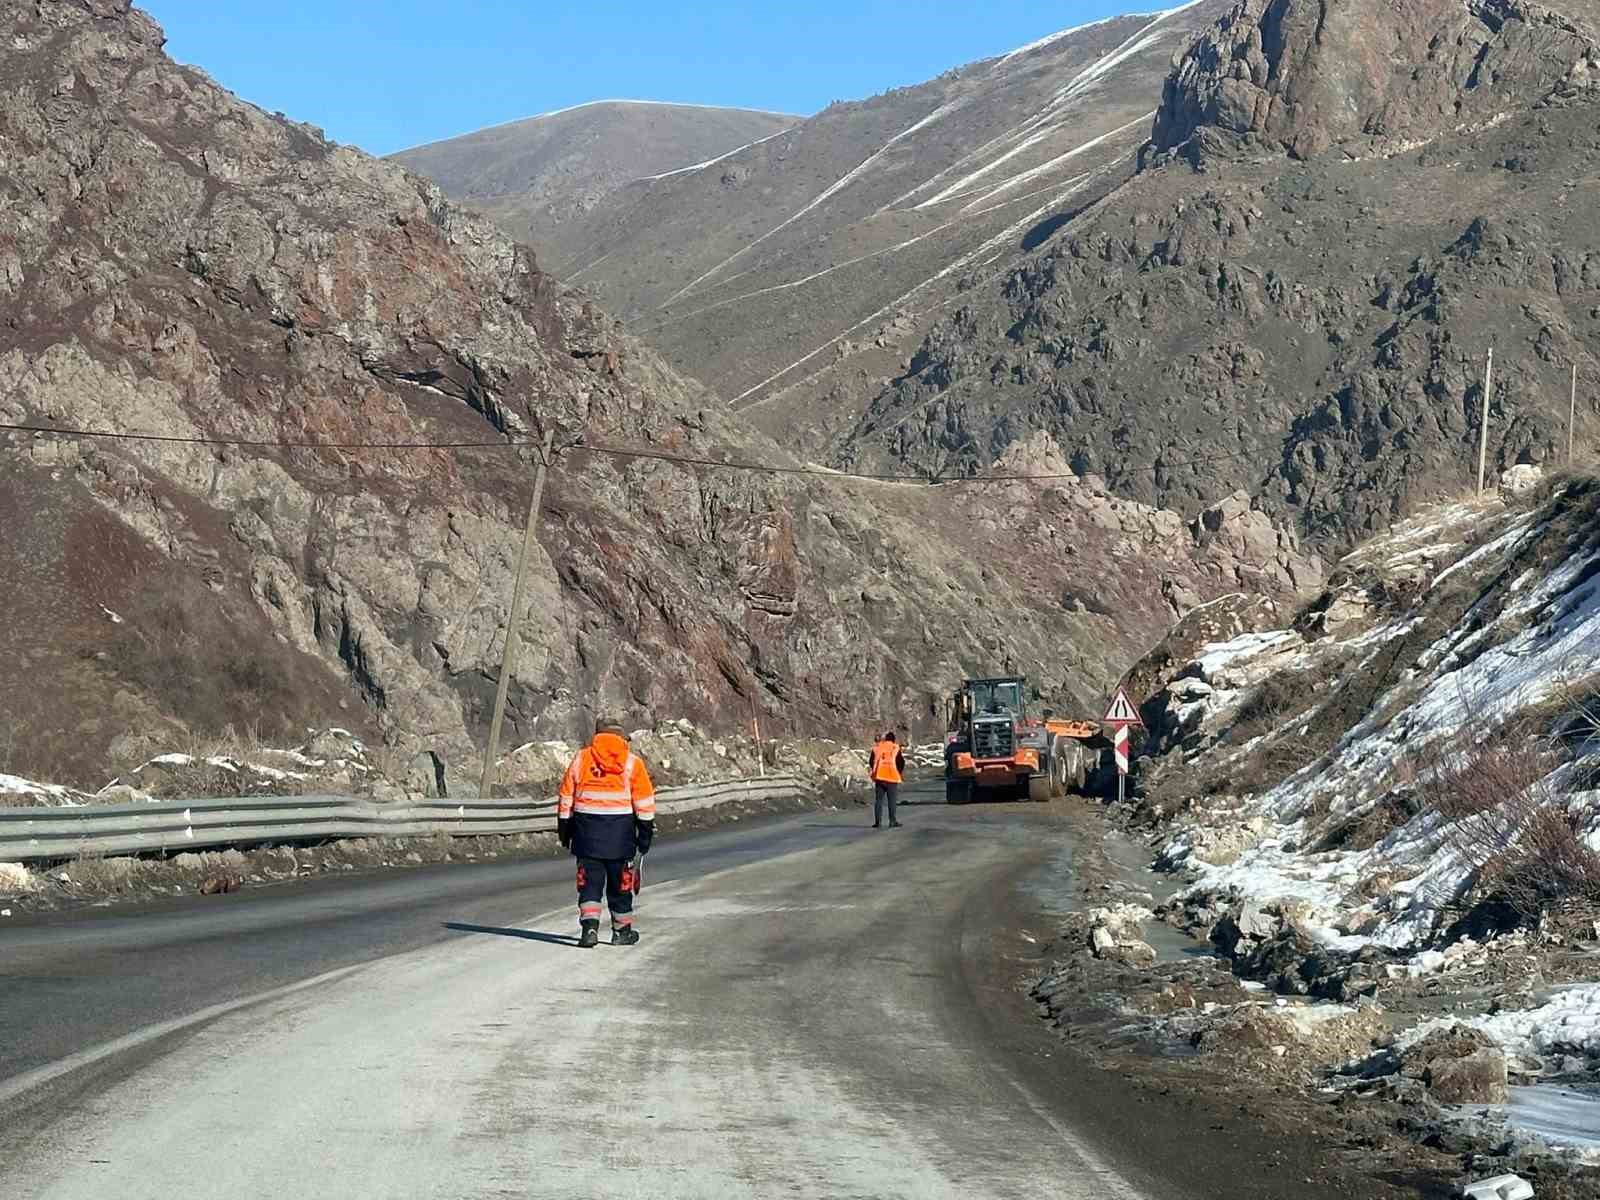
[(1121, 716)]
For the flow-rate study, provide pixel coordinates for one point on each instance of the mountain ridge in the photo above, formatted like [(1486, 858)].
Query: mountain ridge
[(549, 169)]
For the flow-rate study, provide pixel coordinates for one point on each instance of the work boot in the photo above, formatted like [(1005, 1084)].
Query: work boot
[(895, 825), (877, 824), (590, 938), (624, 935)]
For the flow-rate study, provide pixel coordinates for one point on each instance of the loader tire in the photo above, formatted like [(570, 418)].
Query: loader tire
[(957, 791), (1039, 788)]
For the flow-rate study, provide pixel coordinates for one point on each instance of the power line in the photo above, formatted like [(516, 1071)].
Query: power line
[(618, 452), (258, 444)]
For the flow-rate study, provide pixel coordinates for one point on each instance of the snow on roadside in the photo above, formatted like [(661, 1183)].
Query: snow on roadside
[(233, 766), (52, 795), (1565, 1027)]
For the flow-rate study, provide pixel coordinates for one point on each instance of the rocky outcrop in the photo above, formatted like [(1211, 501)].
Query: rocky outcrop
[(1305, 332), (1368, 76)]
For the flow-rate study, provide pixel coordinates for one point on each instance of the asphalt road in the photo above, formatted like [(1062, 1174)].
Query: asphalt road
[(816, 1009)]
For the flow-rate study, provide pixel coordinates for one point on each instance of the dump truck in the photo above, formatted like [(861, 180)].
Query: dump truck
[(994, 749)]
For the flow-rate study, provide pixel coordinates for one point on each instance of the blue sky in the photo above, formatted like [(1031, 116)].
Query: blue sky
[(387, 75)]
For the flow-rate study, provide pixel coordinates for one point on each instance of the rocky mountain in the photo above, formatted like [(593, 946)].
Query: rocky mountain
[(1272, 264), (538, 174), (326, 375), (1341, 208), (797, 274)]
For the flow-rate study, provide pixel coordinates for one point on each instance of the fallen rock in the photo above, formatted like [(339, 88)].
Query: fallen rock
[(14, 877), (1459, 1065), (217, 885), (334, 744), (1479, 1078), (122, 793), (1254, 921), (1523, 477), (1115, 935), (1346, 611)]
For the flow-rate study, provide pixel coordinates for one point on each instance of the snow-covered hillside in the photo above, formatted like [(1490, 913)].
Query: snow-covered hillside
[(1409, 777)]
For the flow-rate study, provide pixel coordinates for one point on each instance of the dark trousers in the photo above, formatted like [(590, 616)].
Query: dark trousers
[(603, 877), (884, 793)]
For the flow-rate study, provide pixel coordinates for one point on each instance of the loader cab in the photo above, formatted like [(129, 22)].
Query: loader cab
[(995, 697), (986, 716)]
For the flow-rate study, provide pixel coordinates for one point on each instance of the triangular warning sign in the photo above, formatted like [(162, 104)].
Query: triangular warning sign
[(1121, 712)]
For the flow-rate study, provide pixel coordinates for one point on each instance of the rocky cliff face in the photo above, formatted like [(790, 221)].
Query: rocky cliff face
[(1257, 311), (175, 262), (1368, 76)]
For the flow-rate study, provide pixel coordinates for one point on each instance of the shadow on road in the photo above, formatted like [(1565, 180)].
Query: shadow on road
[(532, 935)]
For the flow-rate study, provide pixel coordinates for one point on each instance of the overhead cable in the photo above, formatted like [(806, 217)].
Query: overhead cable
[(617, 452)]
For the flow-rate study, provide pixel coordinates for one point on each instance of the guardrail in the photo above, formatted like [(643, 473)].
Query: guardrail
[(181, 825)]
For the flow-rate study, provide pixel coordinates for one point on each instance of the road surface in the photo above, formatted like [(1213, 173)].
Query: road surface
[(816, 1009)]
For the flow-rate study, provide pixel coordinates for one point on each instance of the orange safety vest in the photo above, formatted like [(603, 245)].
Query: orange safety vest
[(883, 764)]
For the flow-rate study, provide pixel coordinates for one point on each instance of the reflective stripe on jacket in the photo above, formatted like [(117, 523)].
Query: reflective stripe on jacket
[(885, 763)]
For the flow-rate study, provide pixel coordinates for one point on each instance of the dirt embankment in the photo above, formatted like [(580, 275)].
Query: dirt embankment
[(1168, 1013)]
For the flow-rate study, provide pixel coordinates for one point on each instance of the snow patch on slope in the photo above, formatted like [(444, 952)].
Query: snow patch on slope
[(1546, 637), (710, 162), (1053, 38)]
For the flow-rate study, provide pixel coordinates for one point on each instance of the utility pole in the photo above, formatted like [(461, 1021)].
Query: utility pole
[(515, 612), (1572, 413), (1483, 432), (755, 726)]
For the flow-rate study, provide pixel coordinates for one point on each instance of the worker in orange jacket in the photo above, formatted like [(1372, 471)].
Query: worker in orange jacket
[(606, 816), (888, 770)]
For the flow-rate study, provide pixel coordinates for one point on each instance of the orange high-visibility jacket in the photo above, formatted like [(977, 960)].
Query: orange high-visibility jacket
[(885, 764), (607, 780)]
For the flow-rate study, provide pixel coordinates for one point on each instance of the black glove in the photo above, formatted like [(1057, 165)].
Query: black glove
[(564, 832), (644, 832)]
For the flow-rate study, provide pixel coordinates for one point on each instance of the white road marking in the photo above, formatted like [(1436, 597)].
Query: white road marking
[(11, 1088)]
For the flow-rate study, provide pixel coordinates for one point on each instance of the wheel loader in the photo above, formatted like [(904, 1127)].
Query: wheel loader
[(995, 750)]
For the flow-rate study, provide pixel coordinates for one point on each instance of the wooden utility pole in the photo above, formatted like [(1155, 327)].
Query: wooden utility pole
[(1572, 413), (755, 726), (1483, 432), (512, 616)]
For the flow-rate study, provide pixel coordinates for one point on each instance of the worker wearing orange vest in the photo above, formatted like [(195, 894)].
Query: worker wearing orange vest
[(606, 815), (888, 769)]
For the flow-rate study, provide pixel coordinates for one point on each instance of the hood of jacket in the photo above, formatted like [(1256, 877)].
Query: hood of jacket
[(610, 751)]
